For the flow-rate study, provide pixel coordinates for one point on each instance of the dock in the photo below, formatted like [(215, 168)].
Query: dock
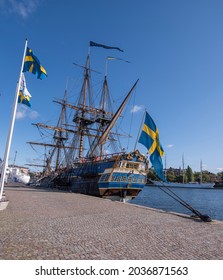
[(45, 224)]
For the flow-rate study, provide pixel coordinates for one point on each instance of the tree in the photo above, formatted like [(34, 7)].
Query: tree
[(151, 174), (220, 176), (171, 177), (189, 174)]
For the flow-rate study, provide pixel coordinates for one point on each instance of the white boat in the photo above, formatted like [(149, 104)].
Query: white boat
[(183, 185), (18, 174)]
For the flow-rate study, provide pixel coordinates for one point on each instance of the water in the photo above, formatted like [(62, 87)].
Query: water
[(206, 201)]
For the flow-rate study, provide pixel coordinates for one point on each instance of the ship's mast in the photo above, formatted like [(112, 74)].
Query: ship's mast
[(105, 98), (60, 136), (82, 116), (87, 116), (90, 124), (86, 86), (103, 138)]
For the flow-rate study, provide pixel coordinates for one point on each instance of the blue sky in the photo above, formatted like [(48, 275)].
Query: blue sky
[(175, 48)]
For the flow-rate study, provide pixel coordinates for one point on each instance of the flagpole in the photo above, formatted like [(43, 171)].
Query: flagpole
[(137, 139), (106, 67), (9, 139)]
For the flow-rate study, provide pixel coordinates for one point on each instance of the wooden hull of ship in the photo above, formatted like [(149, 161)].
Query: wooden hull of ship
[(105, 179), (88, 185)]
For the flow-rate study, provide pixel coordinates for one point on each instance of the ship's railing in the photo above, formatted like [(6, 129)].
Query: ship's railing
[(123, 159), (98, 158)]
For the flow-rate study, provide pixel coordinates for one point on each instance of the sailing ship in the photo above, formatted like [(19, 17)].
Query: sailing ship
[(85, 155)]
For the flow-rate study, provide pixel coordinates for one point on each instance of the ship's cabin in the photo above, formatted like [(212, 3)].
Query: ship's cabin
[(132, 165)]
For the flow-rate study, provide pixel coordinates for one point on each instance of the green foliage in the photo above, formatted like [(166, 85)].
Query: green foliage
[(170, 176), (220, 176), (176, 175), (151, 174), (189, 174)]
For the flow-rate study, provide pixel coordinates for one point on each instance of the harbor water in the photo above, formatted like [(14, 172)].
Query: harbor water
[(206, 201)]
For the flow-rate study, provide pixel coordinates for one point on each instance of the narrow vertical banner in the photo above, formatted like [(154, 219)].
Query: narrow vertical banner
[(9, 139)]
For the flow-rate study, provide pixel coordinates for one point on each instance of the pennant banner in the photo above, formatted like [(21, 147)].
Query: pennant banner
[(93, 44), (115, 58)]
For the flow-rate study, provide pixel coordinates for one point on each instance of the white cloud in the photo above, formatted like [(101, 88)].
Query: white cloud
[(33, 115), (20, 115), (23, 8), (136, 108), (170, 146), (220, 169), (24, 112)]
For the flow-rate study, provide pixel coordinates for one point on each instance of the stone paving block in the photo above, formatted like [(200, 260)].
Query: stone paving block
[(53, 225)]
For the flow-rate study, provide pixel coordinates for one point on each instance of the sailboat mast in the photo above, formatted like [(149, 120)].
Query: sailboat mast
[(183, 168), (201, 172)]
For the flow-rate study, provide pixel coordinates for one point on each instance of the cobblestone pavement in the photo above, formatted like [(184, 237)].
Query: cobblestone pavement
[(47, 225)]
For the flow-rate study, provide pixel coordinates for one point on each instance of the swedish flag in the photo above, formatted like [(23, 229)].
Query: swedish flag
[(33, 65), (24, 99), (150, 139), (24, 95)]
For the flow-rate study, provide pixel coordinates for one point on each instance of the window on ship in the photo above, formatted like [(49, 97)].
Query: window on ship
[(132, 165)]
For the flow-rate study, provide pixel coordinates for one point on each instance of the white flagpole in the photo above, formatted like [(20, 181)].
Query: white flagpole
[(140, 129), (8, 144)]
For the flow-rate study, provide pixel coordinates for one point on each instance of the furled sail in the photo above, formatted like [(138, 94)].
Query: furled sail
[(106, 132)]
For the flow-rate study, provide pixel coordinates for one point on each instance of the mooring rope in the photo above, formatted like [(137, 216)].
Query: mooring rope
[(172, 194), (203, 217)]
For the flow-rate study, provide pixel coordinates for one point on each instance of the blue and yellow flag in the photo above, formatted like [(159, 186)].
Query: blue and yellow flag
[(24, 95), (33, 65), (150, 139)]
